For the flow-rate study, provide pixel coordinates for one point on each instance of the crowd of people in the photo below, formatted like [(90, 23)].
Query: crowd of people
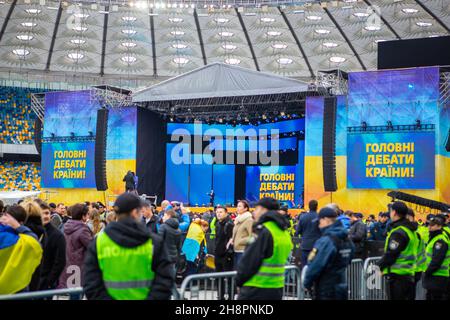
[(134, 251)]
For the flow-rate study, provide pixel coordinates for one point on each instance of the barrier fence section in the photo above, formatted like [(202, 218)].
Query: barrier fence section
[(373, 286), (355, 279), (59, 294), (220, 285)]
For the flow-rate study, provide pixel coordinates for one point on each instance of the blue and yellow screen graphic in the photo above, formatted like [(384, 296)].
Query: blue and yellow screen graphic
[(402, 160)]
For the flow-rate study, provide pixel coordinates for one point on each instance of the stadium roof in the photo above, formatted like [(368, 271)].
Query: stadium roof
[(219, 80), (150, 43)]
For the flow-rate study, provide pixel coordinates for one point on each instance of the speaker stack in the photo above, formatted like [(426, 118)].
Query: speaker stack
[(38, 135), (100, 150), (329, 145)]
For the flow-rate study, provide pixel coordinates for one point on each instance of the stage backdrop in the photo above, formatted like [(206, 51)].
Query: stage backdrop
[(376, 97), (190, 181), (68, 167)]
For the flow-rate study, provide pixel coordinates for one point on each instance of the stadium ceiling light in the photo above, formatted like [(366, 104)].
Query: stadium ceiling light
[(267, 20), (24, 37), (229, 47), (75, 56), (379, 40), (179, 46), (175, 20), (33, 11), (372, 28), (232, 61), (314, 18), (361, 14), (128, 44), (129, 31), (285, 61), (350, 1), (330, 44), (337, 59), (128, 59), (81, 15), (177, 33), (226, 34), (129, 18), (221, 20), (273, 33), (279, 46), (77, 41), (21, 52), (79, 28), (28, 24), (181, 60), (409, 10), (322, 31), (424, 24)]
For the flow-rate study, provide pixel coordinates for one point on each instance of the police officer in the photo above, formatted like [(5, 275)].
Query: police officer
[(399, 261), (260, 273), (422, 235), (325, 275), (126, 261), (438, 259), (284, 210)]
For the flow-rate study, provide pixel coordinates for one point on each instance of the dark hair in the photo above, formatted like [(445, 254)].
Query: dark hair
[(313, 205), (17, 212), (219, 206), (2, 206), (400, 208), (45, 206), (52, 205), (245, 203), (411, 213), (372, 216), (170, 213), (77, 211)]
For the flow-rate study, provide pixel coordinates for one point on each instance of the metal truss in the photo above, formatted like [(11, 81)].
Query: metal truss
[(444, 89), (393, 128), (109, 97), (38, 105), (232, 107), (69, 139), (334, 81)]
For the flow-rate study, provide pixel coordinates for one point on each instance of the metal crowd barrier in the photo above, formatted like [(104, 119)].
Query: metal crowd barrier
[(208, 286), (373, 286), (365, 282), (59, 294), (354, 279)]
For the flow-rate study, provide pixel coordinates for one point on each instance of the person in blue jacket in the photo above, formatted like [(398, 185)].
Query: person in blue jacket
[(325, 276)]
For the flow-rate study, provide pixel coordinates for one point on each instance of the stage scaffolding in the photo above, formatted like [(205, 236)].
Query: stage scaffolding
[(335, 81), (106, 96)]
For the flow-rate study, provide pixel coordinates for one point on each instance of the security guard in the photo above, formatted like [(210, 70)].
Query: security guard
[(261, 273), (446, 227), (126, 261), (422, 235), (438, 258), (284, 210), (325, 275), (399, 261)]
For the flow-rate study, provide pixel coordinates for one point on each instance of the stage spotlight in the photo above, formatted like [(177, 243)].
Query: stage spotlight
[(53, 135), (91, 134), (418, 124), (72, 135), (389, 124), (220, 120), (171, 119), (364, 125)]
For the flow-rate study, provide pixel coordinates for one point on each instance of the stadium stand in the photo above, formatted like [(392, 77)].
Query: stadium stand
[(16, 116), (20, 176)]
